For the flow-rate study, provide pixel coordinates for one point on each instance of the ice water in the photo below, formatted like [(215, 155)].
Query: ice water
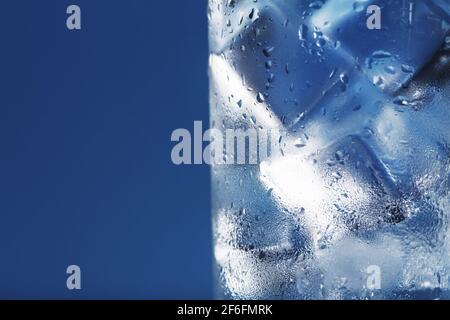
[(354, 202)]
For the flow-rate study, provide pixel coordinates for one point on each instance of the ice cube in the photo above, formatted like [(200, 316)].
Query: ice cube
[(411, 32), (248, 221), (411, 134), (345, 109), (286, 62), (338, 190), (257, 274)]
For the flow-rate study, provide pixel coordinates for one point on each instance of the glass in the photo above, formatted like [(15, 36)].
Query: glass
[(352, 199)]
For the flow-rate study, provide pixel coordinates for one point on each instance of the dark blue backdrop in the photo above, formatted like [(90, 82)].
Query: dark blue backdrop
[(85, 170)]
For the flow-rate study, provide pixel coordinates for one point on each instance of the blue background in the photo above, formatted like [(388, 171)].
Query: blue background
[(85, 170)]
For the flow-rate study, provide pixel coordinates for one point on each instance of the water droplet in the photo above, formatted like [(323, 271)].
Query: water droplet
[(447, 43), (389, 69), (291, 87), (321, 42), (413, 102), (336, 175), (301, 116), (252, 14), (378, 81), (317, 34), (268, 51), (368, 63), (260, 97), (332, 73), (407, 69), (380, 54), (339, 155), (343, 78), (302, 32), (300, 143)]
